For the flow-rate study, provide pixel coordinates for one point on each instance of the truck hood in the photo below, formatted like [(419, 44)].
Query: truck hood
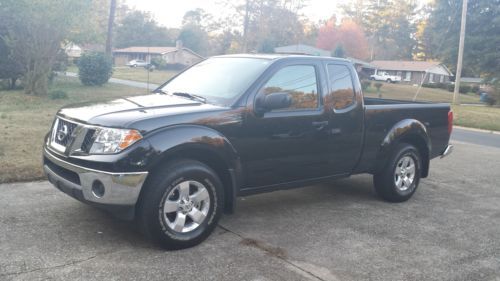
[(125, 112)]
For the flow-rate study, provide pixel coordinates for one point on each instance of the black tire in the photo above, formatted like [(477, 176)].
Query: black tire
[(389, 81), (150, 212), (385, 181), (371, 78)]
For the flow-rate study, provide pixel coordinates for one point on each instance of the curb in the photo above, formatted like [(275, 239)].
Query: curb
[(477, 130)]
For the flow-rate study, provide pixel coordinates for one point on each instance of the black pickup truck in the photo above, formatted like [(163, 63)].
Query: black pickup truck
[(230, 126)]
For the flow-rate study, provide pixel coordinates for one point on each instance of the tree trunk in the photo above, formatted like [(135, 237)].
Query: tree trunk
[(111, 20), (12, 85), (37, 77)]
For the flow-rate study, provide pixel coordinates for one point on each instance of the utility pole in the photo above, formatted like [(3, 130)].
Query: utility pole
[(111, 21), (460, 54)]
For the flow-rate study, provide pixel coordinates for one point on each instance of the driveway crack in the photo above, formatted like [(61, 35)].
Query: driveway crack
[(70, 263), (272, 251)]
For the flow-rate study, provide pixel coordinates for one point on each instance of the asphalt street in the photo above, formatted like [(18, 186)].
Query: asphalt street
[(449, 230), (476, 137)]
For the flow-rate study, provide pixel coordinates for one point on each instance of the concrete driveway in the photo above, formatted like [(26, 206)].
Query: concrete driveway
[(450, 230)]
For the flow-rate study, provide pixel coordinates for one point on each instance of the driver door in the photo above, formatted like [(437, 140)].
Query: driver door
[(287, 144)]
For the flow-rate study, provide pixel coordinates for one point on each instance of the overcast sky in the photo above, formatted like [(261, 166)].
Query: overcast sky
[(170, 13)]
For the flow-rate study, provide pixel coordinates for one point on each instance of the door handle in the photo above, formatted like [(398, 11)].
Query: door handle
[(289, 135), (320, 125)]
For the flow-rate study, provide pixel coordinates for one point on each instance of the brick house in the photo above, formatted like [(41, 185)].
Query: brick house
[(414, 72), (171, 55)]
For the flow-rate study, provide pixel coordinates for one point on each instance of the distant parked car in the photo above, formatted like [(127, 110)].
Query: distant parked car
[(383, 76), (136, 63)]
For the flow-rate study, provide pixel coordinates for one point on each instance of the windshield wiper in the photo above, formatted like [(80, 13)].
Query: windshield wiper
[(183, 94), (190, 96)]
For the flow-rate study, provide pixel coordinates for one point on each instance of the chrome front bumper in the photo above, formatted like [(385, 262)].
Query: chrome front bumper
[(78, 182), (447, 151)]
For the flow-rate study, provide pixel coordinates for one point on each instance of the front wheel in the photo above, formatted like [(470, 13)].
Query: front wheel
[(399, 179), (389, 81), (181, 205)]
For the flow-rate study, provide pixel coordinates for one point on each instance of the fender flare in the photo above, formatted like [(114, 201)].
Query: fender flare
[(410, 131), (178, 139)]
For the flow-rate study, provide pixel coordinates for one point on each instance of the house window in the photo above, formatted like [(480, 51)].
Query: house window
[(408, 76), (441, 79), (431, 78)]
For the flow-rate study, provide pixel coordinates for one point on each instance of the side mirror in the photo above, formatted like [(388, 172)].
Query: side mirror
[(273, 101)]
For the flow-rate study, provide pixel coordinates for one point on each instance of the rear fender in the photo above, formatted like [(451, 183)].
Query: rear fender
[(408, 131)]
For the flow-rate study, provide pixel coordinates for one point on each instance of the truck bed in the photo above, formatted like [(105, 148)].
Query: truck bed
[(381, 115)]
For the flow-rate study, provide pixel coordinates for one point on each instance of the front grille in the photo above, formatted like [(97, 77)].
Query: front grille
[(88, 140), (63, 132)]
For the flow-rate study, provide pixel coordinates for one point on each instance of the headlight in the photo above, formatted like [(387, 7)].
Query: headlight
[(110, 140)]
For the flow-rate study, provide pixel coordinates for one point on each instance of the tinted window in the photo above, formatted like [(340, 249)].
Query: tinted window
[(342, 92), (299, 81), (220, 80)]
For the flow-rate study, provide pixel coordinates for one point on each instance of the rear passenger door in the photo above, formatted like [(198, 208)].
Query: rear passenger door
[(346, 116)]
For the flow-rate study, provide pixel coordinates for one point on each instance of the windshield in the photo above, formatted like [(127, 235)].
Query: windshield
[(219, 80)]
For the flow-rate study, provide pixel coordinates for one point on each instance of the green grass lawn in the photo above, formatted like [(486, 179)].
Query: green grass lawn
[(139, 74), (480, 117), (407, 92), (24, 121)]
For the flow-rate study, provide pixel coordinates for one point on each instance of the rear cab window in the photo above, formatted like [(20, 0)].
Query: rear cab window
[(342, 94)]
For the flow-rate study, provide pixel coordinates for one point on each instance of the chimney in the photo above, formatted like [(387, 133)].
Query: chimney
[(178, 44)]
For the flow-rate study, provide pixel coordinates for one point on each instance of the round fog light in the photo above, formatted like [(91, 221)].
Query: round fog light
[(98, 189)]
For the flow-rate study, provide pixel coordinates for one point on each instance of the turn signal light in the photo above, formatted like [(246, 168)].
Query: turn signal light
[(130, 138)]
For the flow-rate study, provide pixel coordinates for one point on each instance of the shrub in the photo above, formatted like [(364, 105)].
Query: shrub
[(95, 68), (365, 84), (436, 85), (58, 95), (464, 89), (158, 63), (475, 89), (494, 96)]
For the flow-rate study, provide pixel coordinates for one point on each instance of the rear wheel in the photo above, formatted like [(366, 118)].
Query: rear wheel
[(389, 81), (399, 179), (181, 204)]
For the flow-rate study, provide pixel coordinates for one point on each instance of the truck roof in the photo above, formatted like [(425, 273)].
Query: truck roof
[(280, 57)]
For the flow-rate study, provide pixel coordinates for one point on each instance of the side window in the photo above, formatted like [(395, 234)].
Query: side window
[(299, 81), (342, 92)]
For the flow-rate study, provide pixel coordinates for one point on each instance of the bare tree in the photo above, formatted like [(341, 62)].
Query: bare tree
[(111, 21)]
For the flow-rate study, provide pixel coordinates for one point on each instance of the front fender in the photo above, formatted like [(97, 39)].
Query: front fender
[(204, 144), (408, 130), (175, 138)]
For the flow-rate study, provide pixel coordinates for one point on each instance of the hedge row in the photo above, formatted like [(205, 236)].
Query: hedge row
[(450, 87)]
